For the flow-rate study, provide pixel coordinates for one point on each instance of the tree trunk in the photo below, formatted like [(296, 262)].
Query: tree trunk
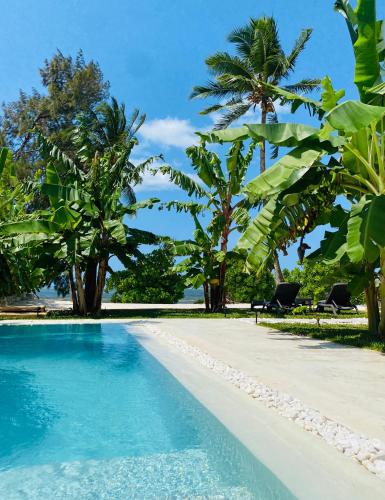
[(372, 308), (278, 275), (90, 283), (381, 326), (262, 151), (215, 298), (79, 287), (101, 281), (75, 304), (207, 296)]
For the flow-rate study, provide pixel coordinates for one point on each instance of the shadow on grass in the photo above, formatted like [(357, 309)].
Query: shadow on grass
[(347, 335)]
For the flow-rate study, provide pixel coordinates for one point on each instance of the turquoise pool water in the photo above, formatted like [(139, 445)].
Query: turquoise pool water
[(87, 413)]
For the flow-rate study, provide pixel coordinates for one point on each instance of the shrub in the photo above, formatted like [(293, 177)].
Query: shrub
[(148, 279)]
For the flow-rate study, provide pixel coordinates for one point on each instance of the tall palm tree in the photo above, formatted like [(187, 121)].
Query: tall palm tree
[(249, 79)]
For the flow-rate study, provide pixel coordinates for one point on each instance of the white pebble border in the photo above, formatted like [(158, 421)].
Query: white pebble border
[(368, 452)]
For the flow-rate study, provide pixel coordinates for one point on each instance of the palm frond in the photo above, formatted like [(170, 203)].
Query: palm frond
[(183, 206), (182, 180), (266, 50), (299, 46), (240, 84), (212, 89), (222, 63), (218, 107), (305, 86), (235, 112), (243, 39)]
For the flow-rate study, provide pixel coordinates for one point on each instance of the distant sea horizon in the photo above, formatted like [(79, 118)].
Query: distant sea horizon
[(191, 295)]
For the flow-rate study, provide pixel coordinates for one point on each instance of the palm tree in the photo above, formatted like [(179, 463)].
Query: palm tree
[(250, 79)]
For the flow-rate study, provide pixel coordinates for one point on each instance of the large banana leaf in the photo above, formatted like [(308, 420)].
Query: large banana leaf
[(58, 192), (366, 233), (29, 227), (352, 116), (66, 217), (278, 134), (284, 173), (367, 71), (330, 97), (259, 227), (225, 135), (117, 230)]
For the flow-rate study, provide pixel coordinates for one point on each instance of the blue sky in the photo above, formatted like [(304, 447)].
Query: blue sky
[(153, 52)]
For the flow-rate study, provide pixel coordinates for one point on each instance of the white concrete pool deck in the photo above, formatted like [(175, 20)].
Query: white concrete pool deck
[(306, 369), (346, 384)]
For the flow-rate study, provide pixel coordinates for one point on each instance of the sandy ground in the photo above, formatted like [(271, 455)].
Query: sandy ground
[(63, 304)]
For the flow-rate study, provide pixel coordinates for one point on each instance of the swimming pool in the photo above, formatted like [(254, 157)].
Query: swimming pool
[(87, 412)]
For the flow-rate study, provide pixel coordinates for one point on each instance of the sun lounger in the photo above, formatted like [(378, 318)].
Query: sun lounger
[(339, 299), (283, 299)]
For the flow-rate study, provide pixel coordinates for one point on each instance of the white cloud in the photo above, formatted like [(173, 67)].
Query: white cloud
[(159, 181), (169, 132)]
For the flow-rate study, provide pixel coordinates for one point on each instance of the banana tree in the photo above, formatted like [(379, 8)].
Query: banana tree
[(220, 187), (89, 196), (345, 156), (19, 272), (201, 265)]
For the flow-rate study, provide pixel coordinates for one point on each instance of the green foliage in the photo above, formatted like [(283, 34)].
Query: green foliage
[(148, 279), (250, 77), (220, 189), (245, 287), (19, 271), (72, 86), (88, 198)]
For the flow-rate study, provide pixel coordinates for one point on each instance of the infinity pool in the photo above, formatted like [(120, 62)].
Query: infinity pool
[(87, 413)]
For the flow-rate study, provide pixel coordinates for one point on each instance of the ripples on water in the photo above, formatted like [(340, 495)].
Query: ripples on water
[(86, 412)]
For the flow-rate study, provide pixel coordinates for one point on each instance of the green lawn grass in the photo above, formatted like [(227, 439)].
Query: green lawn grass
[(356, 336), (169, 313)]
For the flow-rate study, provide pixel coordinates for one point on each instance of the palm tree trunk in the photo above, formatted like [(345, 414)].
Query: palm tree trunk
[(262, 150), (278, 275)]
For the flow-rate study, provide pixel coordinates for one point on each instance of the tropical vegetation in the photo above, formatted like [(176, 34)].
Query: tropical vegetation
[(218, 191), (67, 183), (248, 82), (149, 279), (350, 141)]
